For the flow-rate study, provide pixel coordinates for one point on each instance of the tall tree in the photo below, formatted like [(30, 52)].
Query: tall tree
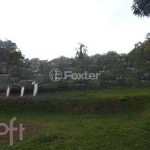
[(81, 51), (10, 55)]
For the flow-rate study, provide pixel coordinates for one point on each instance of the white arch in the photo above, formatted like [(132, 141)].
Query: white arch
[(22, 91), (35, 90), (8, 91)]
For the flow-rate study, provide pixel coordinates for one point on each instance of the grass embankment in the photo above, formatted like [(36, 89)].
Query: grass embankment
[(73, 120), (84, 101)]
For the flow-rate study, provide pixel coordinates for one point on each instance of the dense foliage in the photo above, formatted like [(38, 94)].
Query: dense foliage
[(115, 69), (11, 57), (141, 8)]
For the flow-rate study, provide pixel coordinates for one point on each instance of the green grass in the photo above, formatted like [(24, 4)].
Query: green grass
[(96, 94), (113, 119)]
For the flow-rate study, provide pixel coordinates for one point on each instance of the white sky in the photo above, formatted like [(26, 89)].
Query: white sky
[(51, 28)]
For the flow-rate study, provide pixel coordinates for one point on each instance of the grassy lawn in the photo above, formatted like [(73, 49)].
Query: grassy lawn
[(75, 120), (99, 93)]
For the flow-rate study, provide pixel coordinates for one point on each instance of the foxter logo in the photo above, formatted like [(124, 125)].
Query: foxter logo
[(56, 75)]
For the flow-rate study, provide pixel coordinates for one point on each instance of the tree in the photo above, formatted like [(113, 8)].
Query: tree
[(35, 64), (81, 51), (141, 8), (148, 36), (138, 44), (10, 55), (139, 59)]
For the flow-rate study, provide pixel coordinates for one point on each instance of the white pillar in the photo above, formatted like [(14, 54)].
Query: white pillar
[(8, 91), (22, 91), (35, 90)]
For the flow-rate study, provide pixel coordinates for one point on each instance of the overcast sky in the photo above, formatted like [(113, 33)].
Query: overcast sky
[(51, 28)]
